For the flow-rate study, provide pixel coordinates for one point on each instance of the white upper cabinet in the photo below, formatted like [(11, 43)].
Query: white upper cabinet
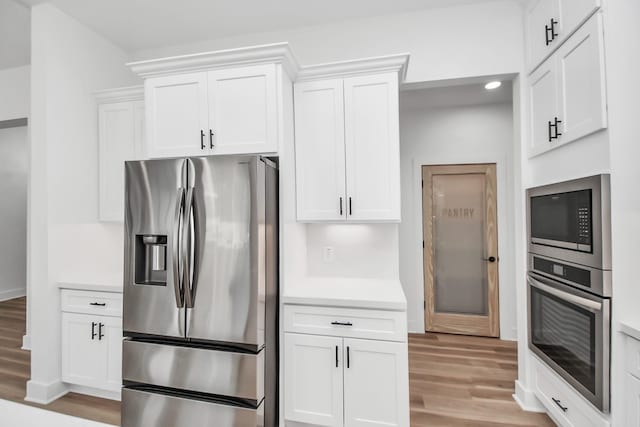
[(372, 142), (347, 141), (177, 115), (320, 151), (243, 110), (567, 93), (376, 383), (120, 138), (550, 22), (228, 102)]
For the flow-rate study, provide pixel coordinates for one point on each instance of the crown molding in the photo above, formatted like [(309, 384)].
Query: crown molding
[(279, 53), (390, 63), (121, 94)]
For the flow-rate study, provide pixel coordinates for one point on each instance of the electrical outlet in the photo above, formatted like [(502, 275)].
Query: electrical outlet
[(328, 254)]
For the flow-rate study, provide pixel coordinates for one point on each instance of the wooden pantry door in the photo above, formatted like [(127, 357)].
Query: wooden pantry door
[(460, 249)]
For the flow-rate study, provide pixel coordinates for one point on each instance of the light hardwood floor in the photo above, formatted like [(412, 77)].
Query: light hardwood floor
[(459, 380), (15, 371)]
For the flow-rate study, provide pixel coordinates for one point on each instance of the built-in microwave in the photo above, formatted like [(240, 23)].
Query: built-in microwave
[(571, 221)]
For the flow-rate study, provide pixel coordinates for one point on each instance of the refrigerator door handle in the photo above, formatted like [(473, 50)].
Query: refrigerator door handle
[(177, 249), (188, 255)]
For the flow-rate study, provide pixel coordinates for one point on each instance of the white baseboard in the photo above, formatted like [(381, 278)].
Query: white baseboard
[(105, 394), (415, 327), (26, 342), (43, 393), (13, 293), (527, 399)]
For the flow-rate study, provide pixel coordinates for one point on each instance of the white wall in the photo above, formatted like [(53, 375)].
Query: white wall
[(623, 68), (455, 135), (445, 43), (69, 62), (14, 93), (13, 213)]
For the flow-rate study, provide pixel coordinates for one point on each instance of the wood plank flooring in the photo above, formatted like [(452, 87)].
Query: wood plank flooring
[(465, 381), (15, 370)]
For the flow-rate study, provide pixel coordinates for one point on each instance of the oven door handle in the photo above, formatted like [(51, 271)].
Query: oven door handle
[(585, 303)]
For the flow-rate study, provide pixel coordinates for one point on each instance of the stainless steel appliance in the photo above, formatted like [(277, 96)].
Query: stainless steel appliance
[(569, 329), (201, 293), (569, 282), (571, 221)]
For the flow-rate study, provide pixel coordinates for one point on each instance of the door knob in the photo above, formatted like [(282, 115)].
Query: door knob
[(491, 259)]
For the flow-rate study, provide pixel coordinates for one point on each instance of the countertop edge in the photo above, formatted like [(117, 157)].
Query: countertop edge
[(344, 303), (96, 287), (630, 330)]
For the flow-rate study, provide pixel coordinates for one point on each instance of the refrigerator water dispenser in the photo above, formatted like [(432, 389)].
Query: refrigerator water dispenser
[(151, 260)]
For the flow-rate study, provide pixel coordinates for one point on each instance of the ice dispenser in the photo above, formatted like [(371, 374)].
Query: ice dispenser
[(151, 260)]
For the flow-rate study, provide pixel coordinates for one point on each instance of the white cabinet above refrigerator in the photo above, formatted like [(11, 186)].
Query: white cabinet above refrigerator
[(236, 101)]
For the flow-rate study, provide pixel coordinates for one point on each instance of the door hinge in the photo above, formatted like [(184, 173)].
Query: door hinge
[(423, 244), (422, 183), (424, 304)]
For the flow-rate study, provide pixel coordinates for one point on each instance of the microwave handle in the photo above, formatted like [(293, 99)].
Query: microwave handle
[(585, 303)]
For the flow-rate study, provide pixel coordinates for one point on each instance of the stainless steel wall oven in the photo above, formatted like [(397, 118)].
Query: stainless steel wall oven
[(569, 282)]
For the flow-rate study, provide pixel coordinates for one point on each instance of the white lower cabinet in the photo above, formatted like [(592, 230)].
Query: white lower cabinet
[(313, 378), (341, 381), (632, 382), (91, 345), (564, 405)]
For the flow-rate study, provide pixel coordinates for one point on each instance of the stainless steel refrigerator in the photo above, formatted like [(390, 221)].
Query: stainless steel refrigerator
[(200, 293)]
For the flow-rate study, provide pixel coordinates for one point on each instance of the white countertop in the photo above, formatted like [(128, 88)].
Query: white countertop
[(97, 287), (347, 292), (631, 329)]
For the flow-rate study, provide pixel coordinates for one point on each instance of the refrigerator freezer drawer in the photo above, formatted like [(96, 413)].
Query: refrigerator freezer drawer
[(224, 373), (144, 408)]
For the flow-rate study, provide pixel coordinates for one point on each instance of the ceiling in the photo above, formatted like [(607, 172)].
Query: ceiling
[(455, 96), (15, 34), (146, 24)]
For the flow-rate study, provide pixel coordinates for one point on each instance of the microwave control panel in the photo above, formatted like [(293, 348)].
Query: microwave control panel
[(584, 225)]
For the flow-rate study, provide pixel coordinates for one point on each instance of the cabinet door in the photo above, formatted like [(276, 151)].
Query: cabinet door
[(376, 383), (243, 108), (319, 140), (575, 12), (177, 115), (112, 340), (372, 147), (139, 131), (632, 399), (582, 82), (84, 360), (117, 143), (540, 42), (313, 390), (543, 109)]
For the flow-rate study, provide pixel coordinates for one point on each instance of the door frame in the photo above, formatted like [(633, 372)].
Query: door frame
[(488, 325)]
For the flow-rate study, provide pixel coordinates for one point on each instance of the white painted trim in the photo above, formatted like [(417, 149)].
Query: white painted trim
[(96, 392), (415, 326), (121, 94), (279, 53), (13, 293), (527, 399), (26, 342), (379, 64), (42, 393), (506, 274)]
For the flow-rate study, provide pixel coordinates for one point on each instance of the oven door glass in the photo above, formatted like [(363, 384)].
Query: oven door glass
[(562, 220), (565, 333)]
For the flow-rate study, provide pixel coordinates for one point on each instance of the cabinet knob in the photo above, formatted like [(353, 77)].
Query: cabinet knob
[(340, 206), (201, 139), (93, 330), (100, 334), (350, 211), (211, 139)]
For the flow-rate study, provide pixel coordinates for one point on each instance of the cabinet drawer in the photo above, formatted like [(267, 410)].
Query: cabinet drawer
[(632, 357), (92, 302), (555, 395), (346, 322)]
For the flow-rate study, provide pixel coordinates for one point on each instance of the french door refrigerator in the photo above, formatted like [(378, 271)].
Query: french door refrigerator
[(200, 293)]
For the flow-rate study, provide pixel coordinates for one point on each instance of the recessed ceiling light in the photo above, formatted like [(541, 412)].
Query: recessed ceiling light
[(492, 85)]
